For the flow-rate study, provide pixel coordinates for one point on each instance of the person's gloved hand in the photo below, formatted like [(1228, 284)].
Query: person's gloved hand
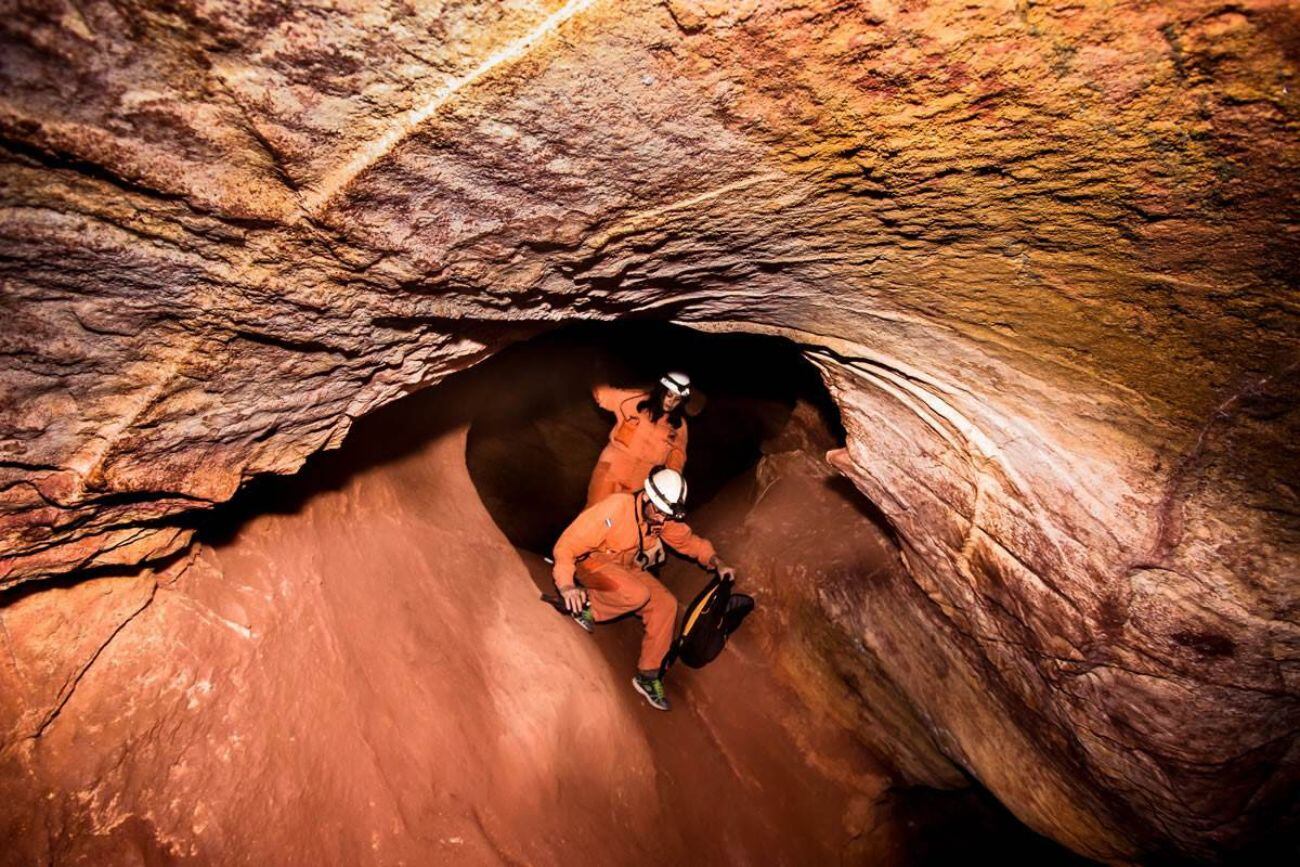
[(575, 598), (725, 572)]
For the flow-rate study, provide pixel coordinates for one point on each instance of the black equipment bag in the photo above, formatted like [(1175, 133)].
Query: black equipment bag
[(709, 620)]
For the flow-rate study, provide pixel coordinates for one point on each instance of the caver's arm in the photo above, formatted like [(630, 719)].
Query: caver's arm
[(683, 540), (581, 537), (609, 398)]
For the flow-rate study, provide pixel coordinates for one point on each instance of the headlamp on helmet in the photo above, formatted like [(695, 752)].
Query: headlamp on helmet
[(666, 489)]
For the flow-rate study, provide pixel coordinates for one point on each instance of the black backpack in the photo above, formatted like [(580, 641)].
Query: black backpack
[(713, 615)]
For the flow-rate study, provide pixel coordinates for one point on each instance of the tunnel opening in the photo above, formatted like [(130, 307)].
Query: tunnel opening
[(760, 482), (532, 446), (392, 587), (767, 420)]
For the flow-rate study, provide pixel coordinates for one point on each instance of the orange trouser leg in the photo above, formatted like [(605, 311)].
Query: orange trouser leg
[(615, 590), (609, 478)]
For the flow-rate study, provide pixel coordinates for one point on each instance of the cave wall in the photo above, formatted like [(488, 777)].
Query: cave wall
[(353, 666), (1044, 254)]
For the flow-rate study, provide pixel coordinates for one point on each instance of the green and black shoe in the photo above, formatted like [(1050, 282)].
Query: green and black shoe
[(585, 618), (652, 688)]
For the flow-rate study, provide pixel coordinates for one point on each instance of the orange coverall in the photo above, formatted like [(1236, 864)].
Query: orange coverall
[(636, 444), (601, 547)]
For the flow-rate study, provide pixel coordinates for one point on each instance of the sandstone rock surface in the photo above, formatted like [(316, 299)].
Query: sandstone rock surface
[(363, 674), (1043, 254)]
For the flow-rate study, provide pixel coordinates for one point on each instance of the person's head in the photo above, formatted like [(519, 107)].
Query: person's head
[(665, 495), (669, 396), (676, 390)]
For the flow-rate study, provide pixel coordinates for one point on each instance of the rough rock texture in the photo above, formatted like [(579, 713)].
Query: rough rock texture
[(1043, 253), (363, 674)]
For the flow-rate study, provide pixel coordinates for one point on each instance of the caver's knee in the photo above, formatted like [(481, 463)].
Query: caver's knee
[(662, 599), (641, 596), (615, 587)]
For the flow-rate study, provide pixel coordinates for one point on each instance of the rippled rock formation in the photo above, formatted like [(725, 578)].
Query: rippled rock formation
[(1044, 257)]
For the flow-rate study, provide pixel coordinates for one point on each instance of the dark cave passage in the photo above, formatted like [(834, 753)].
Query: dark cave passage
[(537, 433), (392, 584), (760, 488), (536, 438)]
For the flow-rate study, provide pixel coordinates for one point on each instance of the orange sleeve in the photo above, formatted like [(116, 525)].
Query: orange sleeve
[(677, 455), (581, 537), (609, 398), (680, 538)]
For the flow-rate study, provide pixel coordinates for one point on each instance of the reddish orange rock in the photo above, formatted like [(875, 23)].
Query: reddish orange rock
[(1044, 256)]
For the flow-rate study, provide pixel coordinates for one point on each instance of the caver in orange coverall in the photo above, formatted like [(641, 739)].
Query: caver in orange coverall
[(602, 544), (636, 444)]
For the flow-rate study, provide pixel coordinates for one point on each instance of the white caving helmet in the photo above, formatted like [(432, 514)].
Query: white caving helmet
[(678, 383), (667, 490)]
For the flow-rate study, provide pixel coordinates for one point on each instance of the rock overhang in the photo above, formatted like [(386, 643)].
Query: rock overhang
[(1042, 257)]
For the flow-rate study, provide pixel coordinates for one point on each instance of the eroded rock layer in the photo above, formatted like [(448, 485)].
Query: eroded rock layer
[(1043, 254), (355, 668)]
